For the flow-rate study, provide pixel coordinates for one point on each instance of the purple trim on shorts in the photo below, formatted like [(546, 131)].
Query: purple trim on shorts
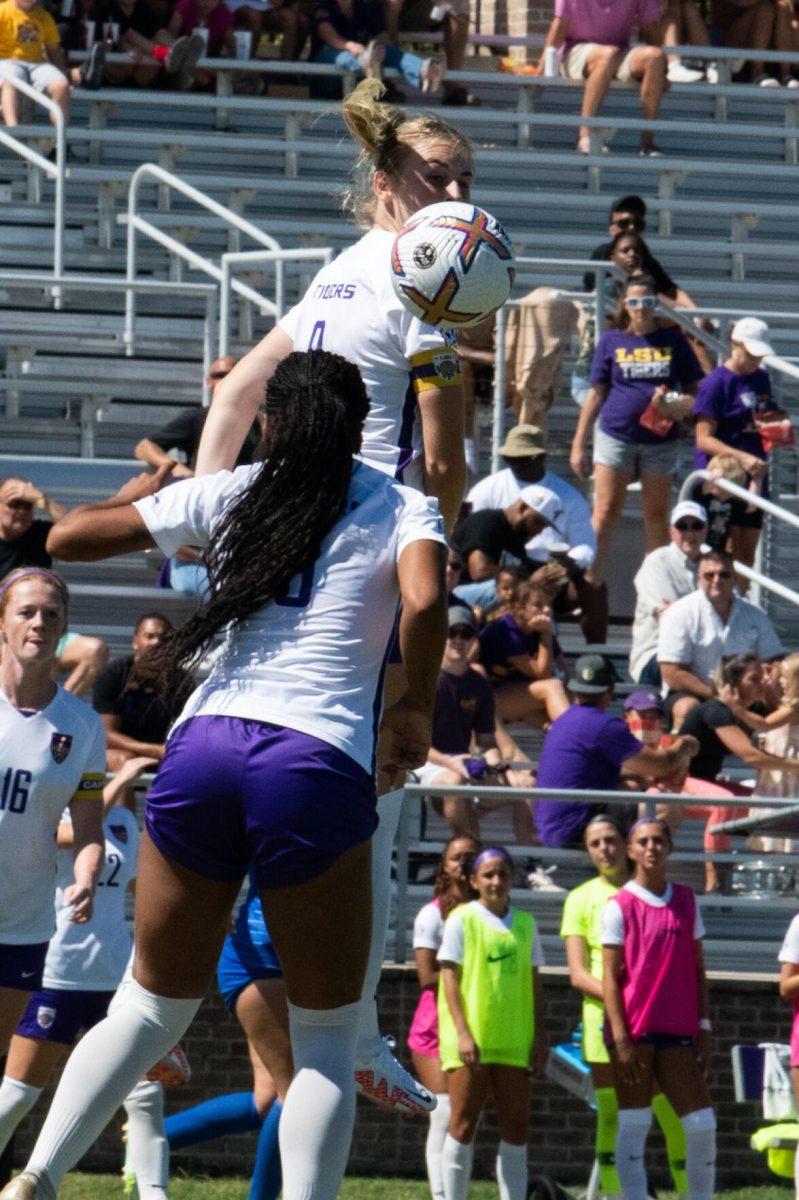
[(232, 792), (22, 967), (59, 1015)]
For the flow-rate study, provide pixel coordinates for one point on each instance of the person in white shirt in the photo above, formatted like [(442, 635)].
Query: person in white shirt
[(666, 574), (525, 471), (52, 755), (272, 761), (699, 630)]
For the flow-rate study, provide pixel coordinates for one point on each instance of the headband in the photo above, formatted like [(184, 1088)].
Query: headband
[(491, 852), (22, 572)]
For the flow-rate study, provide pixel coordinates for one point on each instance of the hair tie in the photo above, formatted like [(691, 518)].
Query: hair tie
[(21, 572)]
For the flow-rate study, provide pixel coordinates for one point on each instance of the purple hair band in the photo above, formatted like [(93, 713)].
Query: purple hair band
[(491, 852), (22, 572)]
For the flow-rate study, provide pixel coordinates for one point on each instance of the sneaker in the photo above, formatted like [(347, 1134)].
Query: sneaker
[(432, 73), (28, 1186), (172, 1070), (184, 54), (384, 1081), (766, 81), (712, 72), (679, 73), (91, 71), (540, 879), (372, 59), (584, 146), (792, 82), (650, 152)]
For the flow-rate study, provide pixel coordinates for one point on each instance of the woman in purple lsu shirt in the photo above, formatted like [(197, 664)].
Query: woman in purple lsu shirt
[(726, 402), (631, 362)]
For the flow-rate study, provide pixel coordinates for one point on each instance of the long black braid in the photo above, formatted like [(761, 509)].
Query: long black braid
[(316, 404)]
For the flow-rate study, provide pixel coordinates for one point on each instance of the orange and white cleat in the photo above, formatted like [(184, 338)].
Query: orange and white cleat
[(172, 1070), (383, 1080)]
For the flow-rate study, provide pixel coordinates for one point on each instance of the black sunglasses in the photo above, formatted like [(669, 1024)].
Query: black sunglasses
[(630, 223), (464, 632), (689, 526)]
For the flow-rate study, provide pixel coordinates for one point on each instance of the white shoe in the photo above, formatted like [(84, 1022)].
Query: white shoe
[(432, 73), (28, 1186), (712, 72), (540, 879), (679, 73), (383, 1080), (792, 82)]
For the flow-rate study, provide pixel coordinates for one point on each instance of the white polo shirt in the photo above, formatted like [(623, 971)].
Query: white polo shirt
[(665, 574), (692, 634), (573, 524)]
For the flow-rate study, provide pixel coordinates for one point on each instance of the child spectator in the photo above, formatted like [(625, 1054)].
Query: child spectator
[(518, 652), (491, 1024), (151, 47), (30, 50), (349, 33), (451, 889), (657, 1025), (508, 581)]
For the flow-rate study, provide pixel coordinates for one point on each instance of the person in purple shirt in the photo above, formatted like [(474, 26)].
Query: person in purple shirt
[(635, 364), (584, 750), (727, 402), (518, 652), (593, 40)]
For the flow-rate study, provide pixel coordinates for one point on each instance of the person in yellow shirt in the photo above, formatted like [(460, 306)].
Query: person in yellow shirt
[(30, 51)]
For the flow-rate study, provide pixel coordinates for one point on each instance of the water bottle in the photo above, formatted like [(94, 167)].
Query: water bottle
[(550, 62)]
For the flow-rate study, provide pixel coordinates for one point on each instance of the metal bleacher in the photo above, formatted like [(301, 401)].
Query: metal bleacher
[(722, 200)]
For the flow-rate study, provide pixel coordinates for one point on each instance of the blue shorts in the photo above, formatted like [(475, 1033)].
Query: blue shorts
[(58, 1015), (232, 792), (22, 967), (242, 963)]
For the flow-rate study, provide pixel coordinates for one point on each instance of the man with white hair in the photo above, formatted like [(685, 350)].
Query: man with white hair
[(665, 575)]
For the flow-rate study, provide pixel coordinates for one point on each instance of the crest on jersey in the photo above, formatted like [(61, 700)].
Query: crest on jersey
[(45, 1016), (120, 832), (60, 746)]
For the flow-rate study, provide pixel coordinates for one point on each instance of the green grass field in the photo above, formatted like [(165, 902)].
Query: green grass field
[(108, 1187)]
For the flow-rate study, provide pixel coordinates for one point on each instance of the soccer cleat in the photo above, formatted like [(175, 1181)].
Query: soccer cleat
[(172, 1070), (28, 1186), (383, 1080)]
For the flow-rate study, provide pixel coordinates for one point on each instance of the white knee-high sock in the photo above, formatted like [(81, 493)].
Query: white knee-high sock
[(389, 810), (103, 1068), (319, 1112), (700, 1153), (16, 1101), (147, 1148), (511, 1171), (456, 1168), (434, 1146), (634, 1125)]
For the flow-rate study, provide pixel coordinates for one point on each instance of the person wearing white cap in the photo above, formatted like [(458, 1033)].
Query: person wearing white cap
[(484, 538), (665, 575), (727, 403)]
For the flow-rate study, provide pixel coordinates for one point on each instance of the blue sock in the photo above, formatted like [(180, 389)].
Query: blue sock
[(267, 1178), (234, 1113)]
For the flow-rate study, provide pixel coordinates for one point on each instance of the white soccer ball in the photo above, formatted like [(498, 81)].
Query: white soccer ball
[(452, 265)]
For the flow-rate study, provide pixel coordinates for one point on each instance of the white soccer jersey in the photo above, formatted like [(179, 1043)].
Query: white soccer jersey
[(312, 660), (46, 760), (93, 957), (351, 309)]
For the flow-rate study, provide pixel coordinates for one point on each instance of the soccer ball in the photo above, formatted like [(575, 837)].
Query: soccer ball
[(452, 265)]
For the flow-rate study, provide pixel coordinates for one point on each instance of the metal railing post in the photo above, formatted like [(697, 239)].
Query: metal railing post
[(225, 299), (128, 335), (599, 301), (500, 369)]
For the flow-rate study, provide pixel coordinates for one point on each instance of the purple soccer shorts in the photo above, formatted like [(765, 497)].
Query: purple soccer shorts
[(58, 1015), (22, 967)]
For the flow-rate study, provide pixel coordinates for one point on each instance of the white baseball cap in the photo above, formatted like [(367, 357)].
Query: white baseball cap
[(688, 508), (544, 501), (752, 333)]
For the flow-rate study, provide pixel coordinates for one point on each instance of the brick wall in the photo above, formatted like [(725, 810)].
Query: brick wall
[(561, 1131), (513, 17)]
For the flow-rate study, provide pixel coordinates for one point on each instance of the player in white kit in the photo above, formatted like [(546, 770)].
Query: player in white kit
[(414, 430), (52, 754), (272, 761)]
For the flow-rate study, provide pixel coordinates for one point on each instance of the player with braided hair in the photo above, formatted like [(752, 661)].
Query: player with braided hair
[(271, 762), (415, 427)]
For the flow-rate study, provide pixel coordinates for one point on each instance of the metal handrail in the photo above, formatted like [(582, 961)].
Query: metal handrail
[(54, 170), (252, 257)]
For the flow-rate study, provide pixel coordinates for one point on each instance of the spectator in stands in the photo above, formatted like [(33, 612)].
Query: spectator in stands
[(716, 502), (748, 24), (699, 630), (348, 34), (186, 573), (729, 403), (464, 724), (682, 25), (212, 15), (636, 365), (786, 37), (125, 695), (143, 36), (626, 251), (593, 41), (483, 538), (23, 544), (519, 653), (585, 749), (282, 19), (666, 574), (30, 50), (452, 18), (525, 457)]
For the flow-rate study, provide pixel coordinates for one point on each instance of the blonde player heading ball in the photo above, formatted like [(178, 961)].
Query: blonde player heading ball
[(414, 429), (52, 754)]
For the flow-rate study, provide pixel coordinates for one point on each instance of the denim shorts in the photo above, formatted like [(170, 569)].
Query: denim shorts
[(635, 458)]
